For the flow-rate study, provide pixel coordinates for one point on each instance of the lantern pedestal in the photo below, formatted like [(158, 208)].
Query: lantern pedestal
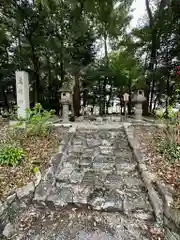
[(65, 101), (138, 100)]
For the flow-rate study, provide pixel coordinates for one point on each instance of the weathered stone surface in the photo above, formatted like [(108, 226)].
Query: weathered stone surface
[(3, 207), (93, 143), (136, 201), (114, 181), (15, 209), (25, 191), (60, 197), (76, 176), (86, 161), (65, 173), (124, 167), (95, 193), (170, 235), (103, 163), (42, 191), (9, 230), (10, 199), (81, 194)]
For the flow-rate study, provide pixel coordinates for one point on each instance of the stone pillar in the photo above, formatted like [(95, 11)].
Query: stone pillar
[(65, 112), (138, 111), (22, 89), (138, 100)]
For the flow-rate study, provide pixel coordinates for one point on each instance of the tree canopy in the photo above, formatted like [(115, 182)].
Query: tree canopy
[(58, 41)]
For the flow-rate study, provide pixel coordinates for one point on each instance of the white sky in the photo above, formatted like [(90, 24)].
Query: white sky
[(138, 13)]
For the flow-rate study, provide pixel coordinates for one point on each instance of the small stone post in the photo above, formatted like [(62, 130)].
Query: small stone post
[(65, 101), (138, 100), (126, 100), (22, 89)]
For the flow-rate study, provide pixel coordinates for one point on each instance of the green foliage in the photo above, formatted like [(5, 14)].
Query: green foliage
[(11, 154), (170, 149), (168, 143), (35, 170), (38, 122)]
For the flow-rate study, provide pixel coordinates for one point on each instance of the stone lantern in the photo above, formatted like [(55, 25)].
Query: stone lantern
[(65, 100), (138, 99)]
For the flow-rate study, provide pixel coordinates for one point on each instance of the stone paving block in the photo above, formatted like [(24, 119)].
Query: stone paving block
[(86, 161), (93, 143), (64, 173), (76, 176), (114, 181), (60, 197), (95, 178), (131, 182), (106, 150), (136, 201), (42, 191), (124, 167), (113, 201), (123, 154), (75, 149), (104, 163), (81, 193), (88, 152)]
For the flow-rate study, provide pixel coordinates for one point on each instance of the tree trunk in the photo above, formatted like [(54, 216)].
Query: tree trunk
[(154, 43), (76, 96), (129, 105), (36, 64), (106, 78)]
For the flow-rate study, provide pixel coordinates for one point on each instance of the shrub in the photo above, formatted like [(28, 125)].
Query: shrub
[(170, 150), (11, 154), (169, 141), (38, 121)]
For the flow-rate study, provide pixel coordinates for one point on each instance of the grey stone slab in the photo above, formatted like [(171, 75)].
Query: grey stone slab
[(15, 209), (81, 194), (9, 230), (131, 182), (25, 191), (74, 160), (94, 178), (60, 197), (64, 173), (76, 176), (86, 161), (87, 152), (136, 201), (91, 143), (3, 207), (124, 167), (103, 163), (97, 203), (89, 178), (42, 191), (76, 149), (106, 150), (114, 181), (113, 201), (123, 154)]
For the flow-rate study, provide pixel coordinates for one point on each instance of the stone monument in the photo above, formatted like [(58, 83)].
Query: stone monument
[(126, 100), (22, 89), (138, 100), (66, 100)]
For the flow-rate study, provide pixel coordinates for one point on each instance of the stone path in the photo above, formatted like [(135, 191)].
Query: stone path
[(95, 193)]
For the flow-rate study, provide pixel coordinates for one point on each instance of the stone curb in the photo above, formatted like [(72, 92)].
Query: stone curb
[(146, 176), (22, 197), (161, 201)]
